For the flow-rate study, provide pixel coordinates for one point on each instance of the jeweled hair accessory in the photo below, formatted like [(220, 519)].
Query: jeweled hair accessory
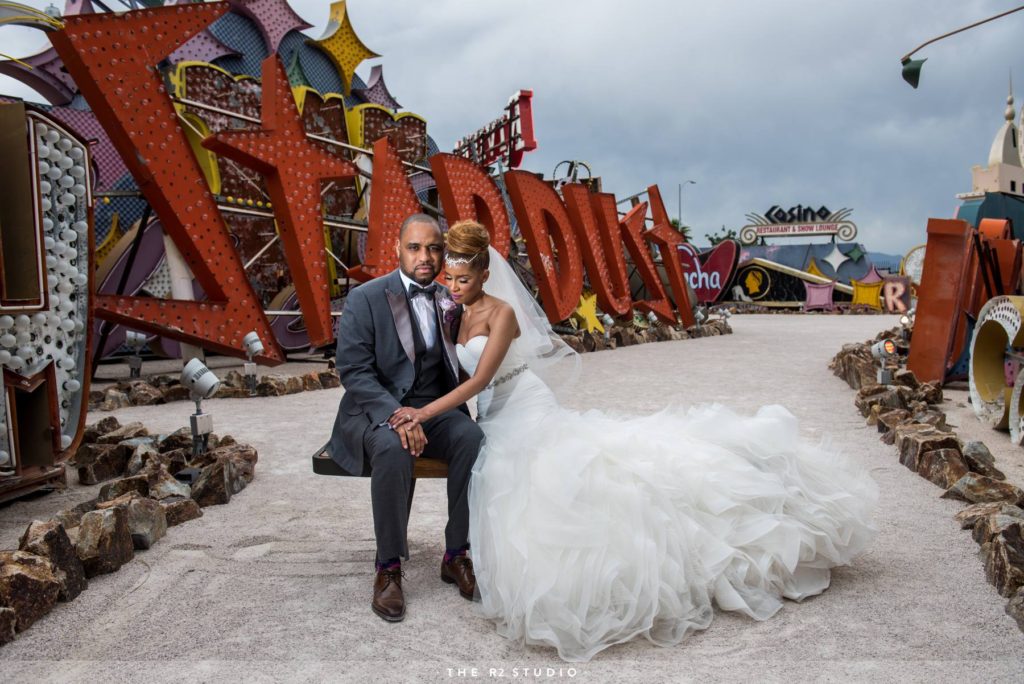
[(460, 261)]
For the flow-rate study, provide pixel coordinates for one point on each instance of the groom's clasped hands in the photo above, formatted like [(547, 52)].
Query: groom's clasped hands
[(408, 423)]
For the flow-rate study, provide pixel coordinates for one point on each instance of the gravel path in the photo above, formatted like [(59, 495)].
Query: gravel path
[(276, 585)]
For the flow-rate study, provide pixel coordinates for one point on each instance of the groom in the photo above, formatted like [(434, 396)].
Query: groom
[(395, 349)]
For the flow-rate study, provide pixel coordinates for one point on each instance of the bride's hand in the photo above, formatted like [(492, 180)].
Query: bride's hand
[(406, 416)]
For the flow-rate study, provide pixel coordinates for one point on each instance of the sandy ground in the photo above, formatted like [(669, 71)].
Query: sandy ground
[(276, 585)]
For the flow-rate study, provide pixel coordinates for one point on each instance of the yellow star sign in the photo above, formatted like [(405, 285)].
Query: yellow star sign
[(586, 313), (341, 44)]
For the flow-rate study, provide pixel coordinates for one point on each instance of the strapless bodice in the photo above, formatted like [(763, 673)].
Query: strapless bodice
[(513, 377), (469, 356)]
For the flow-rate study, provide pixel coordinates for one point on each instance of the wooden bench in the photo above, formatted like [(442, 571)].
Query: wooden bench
[(422, 467)]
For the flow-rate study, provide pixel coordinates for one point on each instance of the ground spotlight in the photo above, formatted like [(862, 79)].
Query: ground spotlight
[(253, 348), (201, 384), (607, 321), (883, 350), (652, 317), (135, 341)]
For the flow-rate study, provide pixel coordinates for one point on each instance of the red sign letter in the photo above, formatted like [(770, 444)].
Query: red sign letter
[(542, 218), (466, 192)]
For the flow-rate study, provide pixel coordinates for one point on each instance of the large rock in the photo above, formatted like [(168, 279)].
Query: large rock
[(27, 586), (179, 439), (72, 517), (233, 379), (1004, 560), (855, 365), (271, 386), (888, 420), (574, 343), (50, 541), (142, 393), (905, 377), (243, 456), (105, 541), (175, 393), (929, 392), (989, 527), (114, 399), (217, 482), (969, 516), (329, 379), (978, 488), (980, 460), (141, 455), (163, 485), (913, 441), (147, 522), (93, 432), (933, 417), (293, 385), (311, 382), (943, 467), (8, 623), (1014, 608), (178, 510), (892, 397), (99, 462), (137, 484), (124, 432)]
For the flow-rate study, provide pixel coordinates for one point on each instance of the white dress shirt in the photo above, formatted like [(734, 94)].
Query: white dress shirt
[(423, 310)]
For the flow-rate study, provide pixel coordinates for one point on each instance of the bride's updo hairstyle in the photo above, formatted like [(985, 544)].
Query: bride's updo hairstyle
[(467, 243)]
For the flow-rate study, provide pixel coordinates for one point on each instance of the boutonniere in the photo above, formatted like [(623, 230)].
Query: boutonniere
[(449, 310)]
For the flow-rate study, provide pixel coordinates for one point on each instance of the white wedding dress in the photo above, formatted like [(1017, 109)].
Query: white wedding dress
[(587, 530)]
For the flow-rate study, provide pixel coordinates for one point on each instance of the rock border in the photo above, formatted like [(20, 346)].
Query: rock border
[(139, 500), (161, 389), (907, 417), (628, 335)]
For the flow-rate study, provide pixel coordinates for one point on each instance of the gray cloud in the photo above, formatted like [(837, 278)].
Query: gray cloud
[(788, 102)]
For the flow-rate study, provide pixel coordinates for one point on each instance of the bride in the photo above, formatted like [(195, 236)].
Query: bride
[(588, 529)]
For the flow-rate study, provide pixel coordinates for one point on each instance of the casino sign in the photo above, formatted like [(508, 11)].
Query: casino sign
[(798, 221)]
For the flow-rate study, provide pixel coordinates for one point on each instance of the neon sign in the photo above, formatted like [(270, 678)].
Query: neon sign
[(507, 138)]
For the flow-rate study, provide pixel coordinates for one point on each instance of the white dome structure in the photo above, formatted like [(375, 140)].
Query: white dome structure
[(1005, 172)]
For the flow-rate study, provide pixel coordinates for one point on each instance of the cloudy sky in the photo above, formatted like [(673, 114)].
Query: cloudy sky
[(788, 102)]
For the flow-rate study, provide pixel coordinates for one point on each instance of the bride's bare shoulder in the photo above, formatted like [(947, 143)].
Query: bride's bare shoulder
[(502, 312)]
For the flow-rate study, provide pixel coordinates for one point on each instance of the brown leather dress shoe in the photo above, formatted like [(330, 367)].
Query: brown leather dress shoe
[(388, 600), (459, 571)]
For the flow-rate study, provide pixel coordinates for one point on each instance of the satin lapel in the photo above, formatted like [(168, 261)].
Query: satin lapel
[(446, 334), (403, 323)]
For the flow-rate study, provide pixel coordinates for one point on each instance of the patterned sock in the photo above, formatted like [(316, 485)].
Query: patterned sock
[(389, 564), (452, 553)]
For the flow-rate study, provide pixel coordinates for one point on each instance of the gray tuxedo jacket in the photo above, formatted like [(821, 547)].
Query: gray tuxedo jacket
[(376, 362)]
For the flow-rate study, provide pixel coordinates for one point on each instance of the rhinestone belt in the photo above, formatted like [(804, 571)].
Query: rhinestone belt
[(507, 376)]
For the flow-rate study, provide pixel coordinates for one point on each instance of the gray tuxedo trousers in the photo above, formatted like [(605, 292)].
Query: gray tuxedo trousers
[(379, 355)]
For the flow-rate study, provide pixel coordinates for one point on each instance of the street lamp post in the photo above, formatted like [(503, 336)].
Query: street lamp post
[(680, 217), (912, 67)]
